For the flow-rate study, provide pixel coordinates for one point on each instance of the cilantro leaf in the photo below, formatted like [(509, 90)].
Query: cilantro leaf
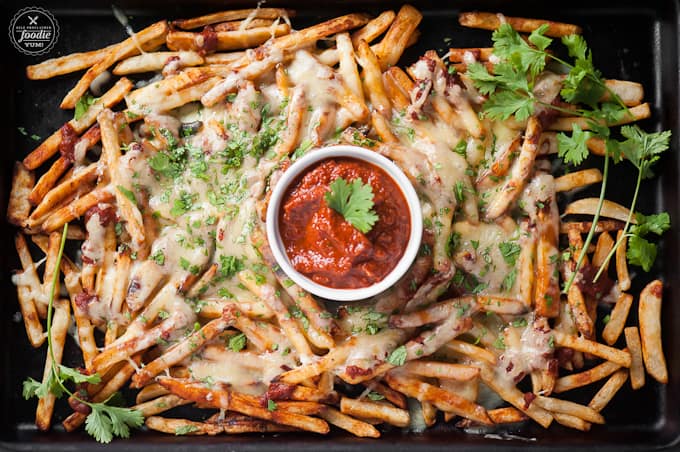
[(375, 396), (354, 202), (656, 223), (509, 251), (504, 104), (509, 46), (642, 148), (271, 405), (99, 426), (237, 342), (105, 422), (576, 45), (573, 149), (483, 81), (641, 252), (68, 373), (398, 356), (538, 38), (127, 193), (83, 105)]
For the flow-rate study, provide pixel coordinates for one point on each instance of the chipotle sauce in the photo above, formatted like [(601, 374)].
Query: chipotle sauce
[(326, 248)]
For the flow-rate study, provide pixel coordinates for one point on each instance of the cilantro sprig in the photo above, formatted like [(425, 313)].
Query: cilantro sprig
[(104, 421), (510, 91), (354, 201)]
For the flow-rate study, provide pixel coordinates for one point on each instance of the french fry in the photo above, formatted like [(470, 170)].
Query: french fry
[(588, 206), (177, 426), (580, 313), (637, 113), (374, 28), (609, 390), (599, 372), (619, 357), (566, 407), (19, 205), (150, 392), (637, 369), (243, 24), (571, 421), (348, 68), (67, 64), (221, 397), (51, 145), (149, 62), (354, 426), (159, 405), (507, 415), (238, 14), (375, 410), (649, 314), (48, 180), (470, 54), (183, 349), (444, 400), (578, 179), (396, 37), (60, 322), (605, 243), (120, 51), (622, 275), (225, 40), (512, 187), (617, 319), (630, 93), (372, 77), (435, 369), (490, 21), (467, 349)]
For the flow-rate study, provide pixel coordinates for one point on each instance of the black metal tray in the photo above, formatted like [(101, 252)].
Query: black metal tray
[(631, 40)]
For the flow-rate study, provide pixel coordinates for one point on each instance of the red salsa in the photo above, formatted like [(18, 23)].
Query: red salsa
[(323, 246)]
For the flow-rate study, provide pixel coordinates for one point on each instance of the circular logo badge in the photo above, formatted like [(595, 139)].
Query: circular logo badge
[(33, 31)]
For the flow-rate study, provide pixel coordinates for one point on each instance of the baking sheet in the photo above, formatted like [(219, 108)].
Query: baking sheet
[(630, 40)]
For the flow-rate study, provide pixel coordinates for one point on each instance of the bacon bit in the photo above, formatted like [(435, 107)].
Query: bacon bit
[(592, 289), (78, 406), (106, 213), (356, 371), (83, 299), (552, 367), (206, 41), (528, 398), (134, 286), (564, 356), (69, 137), (278, 391)]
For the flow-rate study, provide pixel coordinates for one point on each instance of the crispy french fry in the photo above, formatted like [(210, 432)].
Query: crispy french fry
[(372, 77), (572, 421), (159, 405), (605, 243), (490, 21), (243, 24), (620, 357), (637, 113), (66, 64), (120, 51), (649, 314), (354, 426), (585, 378), (617, 319), (435, 369), (622, 275), (182, 426), (374, 28), (637, 369), (225, 40), (149, 62), (43, 414), (566, 407), (457, 55), (580, 312), (588, 206), (397, 36), (150, 392), (578, 179), (630, 93), (374, 410), (609, 390), (467, 349), (19, 205), (48, 180), (237, 14)]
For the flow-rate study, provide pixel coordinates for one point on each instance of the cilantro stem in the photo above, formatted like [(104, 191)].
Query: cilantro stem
[(591, 233), (50, 304), (625, 234)]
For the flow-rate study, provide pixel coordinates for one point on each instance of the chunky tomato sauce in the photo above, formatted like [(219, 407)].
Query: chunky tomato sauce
[(323, 246)]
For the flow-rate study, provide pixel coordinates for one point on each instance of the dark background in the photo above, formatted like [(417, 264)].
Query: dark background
[(633, 40)]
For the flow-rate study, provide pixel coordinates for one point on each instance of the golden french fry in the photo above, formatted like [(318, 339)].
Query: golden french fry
[(617, 319), (224, 40), (473, 351), (490, 21), (397, 36), (637, 113), (435, 369), (48, 180), (354, 426), (630, 93), (588, 206), (67, 64), (637, 368), (605, 243), (159, 405), (372, 77), (149, 62), (150, 392), (585, 378), (19, 206), (566, 407), (571, 421), (620, 357), (374, 28), (374, 410), (649, 314), (237, 14), (609, 390), (622, 276), (182, 426), (580, 312), (578, 179), (120, 51)]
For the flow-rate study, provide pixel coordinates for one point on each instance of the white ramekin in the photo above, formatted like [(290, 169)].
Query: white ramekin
[(276, 243)]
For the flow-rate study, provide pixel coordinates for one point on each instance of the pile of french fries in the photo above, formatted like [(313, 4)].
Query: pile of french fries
[(433, 350)]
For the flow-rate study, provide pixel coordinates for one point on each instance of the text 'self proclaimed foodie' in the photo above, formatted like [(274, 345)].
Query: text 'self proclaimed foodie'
[(158, 191)]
